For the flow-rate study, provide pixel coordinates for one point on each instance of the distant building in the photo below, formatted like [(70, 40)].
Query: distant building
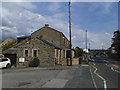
[(112, 50)]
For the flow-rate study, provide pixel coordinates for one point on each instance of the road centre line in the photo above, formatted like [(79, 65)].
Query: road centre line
[(93, 79), (95, 72)]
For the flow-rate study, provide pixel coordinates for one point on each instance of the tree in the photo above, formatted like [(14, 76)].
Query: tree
[(116, 42), (79, 52), (8, 45)]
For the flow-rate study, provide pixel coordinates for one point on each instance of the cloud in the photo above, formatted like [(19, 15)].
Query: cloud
[(27, 5), (7, 28), (100, 8), (18, 21), (54, 7)]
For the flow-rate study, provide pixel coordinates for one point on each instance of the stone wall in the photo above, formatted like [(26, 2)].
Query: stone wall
[(75, 61), (53, 36), (45, 52)]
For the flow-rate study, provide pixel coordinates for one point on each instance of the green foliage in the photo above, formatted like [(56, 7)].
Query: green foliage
[(116, 42), (1, 41), (35, 62), (8, 45), (78, 52)]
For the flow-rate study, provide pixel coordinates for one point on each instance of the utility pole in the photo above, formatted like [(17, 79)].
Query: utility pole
[(70, 32), (119, 15), (86, 47), (86, 39), (89, 45)]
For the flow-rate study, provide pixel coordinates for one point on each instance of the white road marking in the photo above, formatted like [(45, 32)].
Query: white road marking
[(111, 67), (93, 79), (114, 70), (95, 72), (106, 61), (84, 65)]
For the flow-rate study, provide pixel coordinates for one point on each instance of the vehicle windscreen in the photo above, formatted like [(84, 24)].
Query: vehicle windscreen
[(4, 60)]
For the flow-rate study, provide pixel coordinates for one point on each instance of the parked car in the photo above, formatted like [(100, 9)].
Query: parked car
[(5, 63)]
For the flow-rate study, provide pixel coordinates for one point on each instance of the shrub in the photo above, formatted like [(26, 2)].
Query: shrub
[(35, 62)]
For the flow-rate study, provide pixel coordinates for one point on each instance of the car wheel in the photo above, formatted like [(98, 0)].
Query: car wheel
[(8, 66)]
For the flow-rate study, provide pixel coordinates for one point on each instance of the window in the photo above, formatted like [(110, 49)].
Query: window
[(56, 53), (35, 53), (64, 39), (26, 53), (68, 54), (4, 60)]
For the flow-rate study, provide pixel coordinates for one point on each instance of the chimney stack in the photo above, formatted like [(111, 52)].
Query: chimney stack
[(47, 25)]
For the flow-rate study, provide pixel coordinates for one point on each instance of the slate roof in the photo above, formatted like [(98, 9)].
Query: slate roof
[(10, 51), (45, 41)]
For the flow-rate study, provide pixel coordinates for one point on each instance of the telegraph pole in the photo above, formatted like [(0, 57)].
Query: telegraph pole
[(119, 15), (86, 39), (89, 45), (70, 32), (86, 46)]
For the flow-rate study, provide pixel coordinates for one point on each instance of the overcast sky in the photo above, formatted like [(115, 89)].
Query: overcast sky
[(100, 19)]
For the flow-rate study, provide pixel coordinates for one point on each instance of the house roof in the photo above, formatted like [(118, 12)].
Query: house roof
[(23, 37), (10, 51), (45, 41), (22, 42)]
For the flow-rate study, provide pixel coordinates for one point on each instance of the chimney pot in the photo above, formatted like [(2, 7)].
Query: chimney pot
[(46, 24)]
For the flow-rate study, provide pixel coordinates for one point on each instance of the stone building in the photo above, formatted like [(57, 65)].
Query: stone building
[(48, 44)]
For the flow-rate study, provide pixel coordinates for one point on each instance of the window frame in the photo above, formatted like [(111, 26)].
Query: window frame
[(25, 54), (33, 52)]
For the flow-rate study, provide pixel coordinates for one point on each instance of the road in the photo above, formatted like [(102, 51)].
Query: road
[(104, 74), (99, 74)]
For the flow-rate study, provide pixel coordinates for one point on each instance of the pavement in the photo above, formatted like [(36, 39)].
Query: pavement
[(81, 79), (114, 62)]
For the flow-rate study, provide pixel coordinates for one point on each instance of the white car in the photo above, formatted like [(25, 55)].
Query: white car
[(5, 63)]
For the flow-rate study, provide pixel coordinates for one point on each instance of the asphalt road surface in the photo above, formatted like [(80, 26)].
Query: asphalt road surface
[(104, 74), (99, 74)]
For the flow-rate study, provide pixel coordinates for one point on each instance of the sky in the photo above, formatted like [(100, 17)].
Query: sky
[(100, 19)]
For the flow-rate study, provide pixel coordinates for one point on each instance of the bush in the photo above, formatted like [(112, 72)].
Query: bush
[(8, 45), (35, 62)]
